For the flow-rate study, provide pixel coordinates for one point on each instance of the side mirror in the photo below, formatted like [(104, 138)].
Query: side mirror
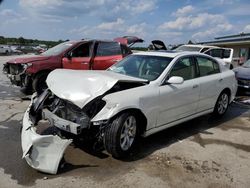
[(175, 80), (69, 55)]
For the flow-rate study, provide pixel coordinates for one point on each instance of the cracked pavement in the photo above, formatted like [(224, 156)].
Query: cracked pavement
[(199, 153)]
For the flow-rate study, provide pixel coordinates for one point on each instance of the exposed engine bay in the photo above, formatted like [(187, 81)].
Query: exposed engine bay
[(67, 116)]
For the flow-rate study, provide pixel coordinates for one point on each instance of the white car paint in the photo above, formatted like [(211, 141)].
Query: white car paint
[(163, 105), (87, 84), (208, 49), (5, 49), (42, 152)]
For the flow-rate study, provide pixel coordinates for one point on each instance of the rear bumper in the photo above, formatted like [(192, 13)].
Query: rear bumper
[(41, 152)]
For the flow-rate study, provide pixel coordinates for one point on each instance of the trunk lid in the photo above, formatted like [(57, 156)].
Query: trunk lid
[(129, 40), (159, 45)]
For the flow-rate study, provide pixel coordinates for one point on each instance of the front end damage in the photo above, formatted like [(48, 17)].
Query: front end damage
[(66, 112), (50, 124), (42, 152), (16, 73)]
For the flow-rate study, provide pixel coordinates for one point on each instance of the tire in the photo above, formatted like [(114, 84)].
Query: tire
[(39, 83), (121, 134), (221, 105), (27, 86), (231, 67), (27, 90)]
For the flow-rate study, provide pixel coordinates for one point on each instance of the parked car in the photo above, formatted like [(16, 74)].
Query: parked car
[(142, 94), (242, 74), (5, 50), (15, 51), (31, 72), (226, 54), (26, 49)]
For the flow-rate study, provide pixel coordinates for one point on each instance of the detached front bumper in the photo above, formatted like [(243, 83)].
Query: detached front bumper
[(42, 152)]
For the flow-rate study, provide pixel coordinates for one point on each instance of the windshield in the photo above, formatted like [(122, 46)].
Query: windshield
[(57, 49), (247, 64), (188, 48), (142, 66)]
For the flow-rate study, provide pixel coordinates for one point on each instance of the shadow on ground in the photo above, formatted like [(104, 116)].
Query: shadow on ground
[(163, 139), (83, 162), (194, 127)]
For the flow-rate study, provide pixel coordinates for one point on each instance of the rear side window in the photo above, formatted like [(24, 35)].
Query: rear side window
[(215, 53), (184, 68), (226, 53), (207, 66), (108, 49)]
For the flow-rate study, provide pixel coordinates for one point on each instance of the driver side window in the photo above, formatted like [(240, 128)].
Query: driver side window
[(82, 51), (184, 68)]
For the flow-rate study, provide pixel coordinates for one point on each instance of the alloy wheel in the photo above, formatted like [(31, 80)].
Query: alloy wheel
[(128, 133)]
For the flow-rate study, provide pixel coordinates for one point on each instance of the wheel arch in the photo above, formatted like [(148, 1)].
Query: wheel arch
[(140, 117), (44, 71), (37, 78), (228, 91)]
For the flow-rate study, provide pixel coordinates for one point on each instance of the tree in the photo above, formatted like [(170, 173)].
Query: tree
[(21, 40)]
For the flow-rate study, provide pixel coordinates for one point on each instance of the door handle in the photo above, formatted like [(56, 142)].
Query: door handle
[(85, 62), (195, 86), (220, 79), (115, 60)]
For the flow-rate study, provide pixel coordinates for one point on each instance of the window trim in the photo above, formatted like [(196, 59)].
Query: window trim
[(198, 68), (91, 43), (106, 42), (166, 77)]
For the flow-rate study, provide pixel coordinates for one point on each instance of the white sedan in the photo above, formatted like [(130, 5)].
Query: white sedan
[(140, 95)]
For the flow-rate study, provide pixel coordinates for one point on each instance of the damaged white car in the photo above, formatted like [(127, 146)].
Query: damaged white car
[(140, 95)]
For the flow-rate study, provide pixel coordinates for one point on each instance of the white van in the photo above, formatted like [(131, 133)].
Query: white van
[(226, 54), (5, 50)]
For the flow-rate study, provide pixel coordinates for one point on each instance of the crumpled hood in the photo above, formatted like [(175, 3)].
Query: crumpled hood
[(80, 86), (28, 59), (242, 72)]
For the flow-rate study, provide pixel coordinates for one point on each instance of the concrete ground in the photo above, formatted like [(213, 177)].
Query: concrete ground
[(200, 153)]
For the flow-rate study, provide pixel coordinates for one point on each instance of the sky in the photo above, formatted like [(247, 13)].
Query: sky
[(172, 21)]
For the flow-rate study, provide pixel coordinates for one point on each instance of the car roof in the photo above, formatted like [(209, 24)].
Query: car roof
[(199, 46), (171, 54), (91, 40)]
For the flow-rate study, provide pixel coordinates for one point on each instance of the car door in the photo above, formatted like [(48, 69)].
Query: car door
[(178, 101), (210, 82), (107, 54), (79, 58)]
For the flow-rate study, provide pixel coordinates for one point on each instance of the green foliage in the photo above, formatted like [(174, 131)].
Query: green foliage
[(27, 42)]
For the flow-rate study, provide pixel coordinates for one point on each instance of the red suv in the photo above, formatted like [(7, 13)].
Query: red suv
[(31, 72)]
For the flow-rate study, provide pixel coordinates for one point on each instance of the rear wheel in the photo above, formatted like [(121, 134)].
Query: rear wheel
[(221, 104), (120, 135), (39, 83)]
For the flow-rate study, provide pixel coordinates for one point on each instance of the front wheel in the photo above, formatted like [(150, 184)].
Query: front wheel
[(221, 105), (120, 135), (39, 83)]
